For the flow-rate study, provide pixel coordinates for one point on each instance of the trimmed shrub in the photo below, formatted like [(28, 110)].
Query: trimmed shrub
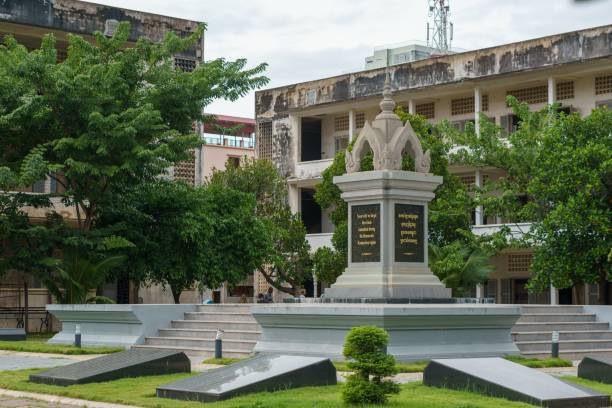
[(365, 349)]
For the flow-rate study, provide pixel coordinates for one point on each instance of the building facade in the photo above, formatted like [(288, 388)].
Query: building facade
[(397, 54), (300, 127)]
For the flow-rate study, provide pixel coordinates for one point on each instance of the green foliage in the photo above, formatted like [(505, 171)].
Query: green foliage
[(540, 363), (75, 276), (184, 235), (365, 348), (286, 263), (558, 172)]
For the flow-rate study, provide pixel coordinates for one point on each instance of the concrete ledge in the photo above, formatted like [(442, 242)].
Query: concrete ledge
[(417, 331), (114, 325)]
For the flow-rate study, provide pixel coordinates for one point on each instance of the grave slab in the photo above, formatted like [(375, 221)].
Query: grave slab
[(261, 373), (502, 378), (130, 363), (12, 334), (596, 368)]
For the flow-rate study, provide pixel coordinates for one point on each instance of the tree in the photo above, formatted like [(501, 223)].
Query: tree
[(365, 348), (287, 263), (449, 212), (184, 236), (558, 172)]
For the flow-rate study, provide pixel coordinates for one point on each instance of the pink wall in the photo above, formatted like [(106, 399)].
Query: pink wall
[(215, 157)]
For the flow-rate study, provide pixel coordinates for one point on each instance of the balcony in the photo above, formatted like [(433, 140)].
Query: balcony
[(317, 241), (247, 141), (517, 229), (311, 169)]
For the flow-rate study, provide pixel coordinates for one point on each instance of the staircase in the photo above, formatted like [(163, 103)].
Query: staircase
[(579, 332), (195, 334)]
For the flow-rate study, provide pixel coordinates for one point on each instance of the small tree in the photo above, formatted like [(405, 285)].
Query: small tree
[(365, 349)]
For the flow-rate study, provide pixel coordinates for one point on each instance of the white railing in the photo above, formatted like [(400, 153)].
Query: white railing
[(517, 229), (311, 169), (317, 241)]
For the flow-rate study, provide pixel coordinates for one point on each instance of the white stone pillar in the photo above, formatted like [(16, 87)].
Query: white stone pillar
[(294, 198), (554, 295), (552, 90), (479, 291), (479, 210), (411, 106), (351, 125), (477, 109)]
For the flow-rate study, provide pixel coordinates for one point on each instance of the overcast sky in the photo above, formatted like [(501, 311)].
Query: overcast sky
[(305, 40)]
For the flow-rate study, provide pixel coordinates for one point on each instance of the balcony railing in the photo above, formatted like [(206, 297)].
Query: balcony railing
[(311, 169), (517, 229), (229, 140), (317, 241)]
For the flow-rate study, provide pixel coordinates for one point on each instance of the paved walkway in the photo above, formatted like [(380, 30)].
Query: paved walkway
[(19, 399), (16, 360)]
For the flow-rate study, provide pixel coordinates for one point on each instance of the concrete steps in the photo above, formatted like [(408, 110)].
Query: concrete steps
[(580, 333), (195, 333)]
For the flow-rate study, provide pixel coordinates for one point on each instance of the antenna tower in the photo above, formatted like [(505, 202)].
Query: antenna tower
[(439, 28)]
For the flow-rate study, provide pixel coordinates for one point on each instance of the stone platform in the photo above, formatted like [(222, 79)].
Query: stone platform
[(416, 331)]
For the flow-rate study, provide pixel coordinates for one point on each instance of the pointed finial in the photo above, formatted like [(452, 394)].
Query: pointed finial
[(387, 105)]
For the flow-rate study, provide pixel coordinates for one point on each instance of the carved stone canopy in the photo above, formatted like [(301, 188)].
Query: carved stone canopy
[(387, 138)]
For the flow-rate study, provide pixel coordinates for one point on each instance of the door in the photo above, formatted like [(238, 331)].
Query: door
[(311, 139)]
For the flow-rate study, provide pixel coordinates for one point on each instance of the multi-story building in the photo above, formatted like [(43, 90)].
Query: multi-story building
[(300, 127), (397, 54), (28, 21)]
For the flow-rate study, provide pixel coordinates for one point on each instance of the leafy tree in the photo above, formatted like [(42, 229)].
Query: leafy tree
[(449, 212), (184, 236), (287, 263), (365, 348), (558, 172)]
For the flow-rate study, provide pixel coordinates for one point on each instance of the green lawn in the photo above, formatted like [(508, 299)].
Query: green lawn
[(540, 363), (141, 392), (601, 387), (415, 367), (37, 343)]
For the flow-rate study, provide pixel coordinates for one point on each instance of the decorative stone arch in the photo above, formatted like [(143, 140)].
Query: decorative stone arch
[(367, 140)]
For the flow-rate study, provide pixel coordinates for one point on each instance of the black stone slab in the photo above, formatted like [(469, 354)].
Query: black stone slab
[(409, 233), (12, 334), (131, 363), (596, 368), (498, 377), (261, 373), (365, 233)]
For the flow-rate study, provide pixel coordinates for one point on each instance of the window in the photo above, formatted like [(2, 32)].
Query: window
[(185, 170), (603, 84), (565, 90), (519, 262), (484, 103), (509, 123), (536, 94), (341, 143), (264, 137), (427, 110), (233, 162), (39, 186), (467, 179), (341, 123), (185, 64), (359, 120), (460, 124), (461, 106), (607, 104)]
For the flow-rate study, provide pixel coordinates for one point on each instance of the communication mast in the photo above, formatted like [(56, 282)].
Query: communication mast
[(440, 30)]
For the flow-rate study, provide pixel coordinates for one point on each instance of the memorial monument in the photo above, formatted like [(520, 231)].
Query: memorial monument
[(387, 282)]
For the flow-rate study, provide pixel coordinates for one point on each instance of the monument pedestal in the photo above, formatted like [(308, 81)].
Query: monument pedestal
[(416, 331), (388, 237)]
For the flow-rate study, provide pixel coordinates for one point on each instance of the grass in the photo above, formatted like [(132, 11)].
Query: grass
[(540, 363), (596, 385), (37, 343), (419, 366), (221, 361), (141, 392)]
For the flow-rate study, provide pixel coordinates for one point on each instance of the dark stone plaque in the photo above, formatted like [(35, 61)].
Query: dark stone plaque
[(365, 233), (12, 334), (261, 373), (499, 377), (596, 368), (409, 233), (131, 363)]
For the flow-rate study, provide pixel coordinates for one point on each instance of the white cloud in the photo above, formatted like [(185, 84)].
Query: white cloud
[(318, 38)]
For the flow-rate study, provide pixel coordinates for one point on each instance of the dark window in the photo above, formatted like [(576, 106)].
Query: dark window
[(233, 162), (38, 187), (185, 64), (310, 211), (311, 139)]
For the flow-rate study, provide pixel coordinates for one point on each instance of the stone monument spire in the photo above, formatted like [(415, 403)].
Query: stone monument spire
[(388, 139)]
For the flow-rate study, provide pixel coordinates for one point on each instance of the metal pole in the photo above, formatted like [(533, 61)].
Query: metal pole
[(219, 344), (555, 344), (77, 335), (26, 295)]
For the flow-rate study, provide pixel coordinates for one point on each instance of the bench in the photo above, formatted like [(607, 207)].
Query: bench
[(18, 313)]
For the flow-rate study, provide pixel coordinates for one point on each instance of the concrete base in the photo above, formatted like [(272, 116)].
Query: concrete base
[(114, 325), (417, 331)]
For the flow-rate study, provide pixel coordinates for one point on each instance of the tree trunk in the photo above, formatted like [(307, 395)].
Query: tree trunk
[(603, 287), (176, 294)]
